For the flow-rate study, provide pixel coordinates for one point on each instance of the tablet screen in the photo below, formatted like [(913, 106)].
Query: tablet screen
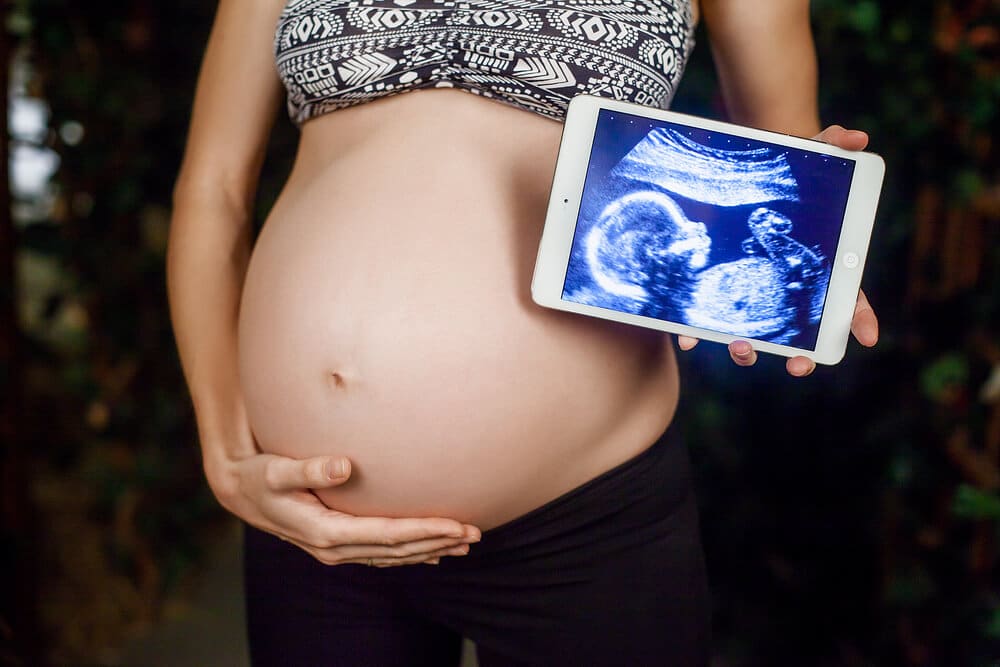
[(707, 229)]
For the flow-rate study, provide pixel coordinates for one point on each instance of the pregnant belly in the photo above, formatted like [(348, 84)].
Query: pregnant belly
[(398, 331)]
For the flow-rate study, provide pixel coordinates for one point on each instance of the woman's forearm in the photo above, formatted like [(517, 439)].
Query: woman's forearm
[(207, 259), (766, 62), (209, 246)]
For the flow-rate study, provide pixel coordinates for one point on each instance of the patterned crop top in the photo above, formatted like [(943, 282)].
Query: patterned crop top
[(534, 54)]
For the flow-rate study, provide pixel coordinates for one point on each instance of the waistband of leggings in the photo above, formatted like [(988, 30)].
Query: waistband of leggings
[(660, 468)]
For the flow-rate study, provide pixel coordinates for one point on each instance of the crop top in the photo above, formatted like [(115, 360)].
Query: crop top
[(534, 54)]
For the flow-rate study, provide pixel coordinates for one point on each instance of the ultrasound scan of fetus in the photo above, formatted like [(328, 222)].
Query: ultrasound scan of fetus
[(703, 234)]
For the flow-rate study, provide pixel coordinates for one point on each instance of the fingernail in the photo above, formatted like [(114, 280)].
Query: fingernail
[(433, 561), (336, 469), (460, 551), (742, 349), (803, 370)]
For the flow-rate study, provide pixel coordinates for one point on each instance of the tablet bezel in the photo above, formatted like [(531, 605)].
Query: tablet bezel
[(566, 198)]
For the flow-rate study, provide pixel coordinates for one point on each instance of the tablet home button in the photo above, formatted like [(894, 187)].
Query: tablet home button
[(850, 260)]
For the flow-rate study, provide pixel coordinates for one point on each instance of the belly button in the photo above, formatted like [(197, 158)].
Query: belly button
[(336, 381), (340, 377)]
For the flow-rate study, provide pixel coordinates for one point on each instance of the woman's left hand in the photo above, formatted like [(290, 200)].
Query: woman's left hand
[(864, 325)]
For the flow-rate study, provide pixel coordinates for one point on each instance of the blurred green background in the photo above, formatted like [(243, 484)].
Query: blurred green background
[(849, 519)]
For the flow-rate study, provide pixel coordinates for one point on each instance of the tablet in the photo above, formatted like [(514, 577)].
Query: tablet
[(707, 229)]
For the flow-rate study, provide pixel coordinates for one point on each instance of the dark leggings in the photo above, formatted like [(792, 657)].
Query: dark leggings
[(610, 573)]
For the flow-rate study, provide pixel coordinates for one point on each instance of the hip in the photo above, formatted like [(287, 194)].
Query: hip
[(609, 573)]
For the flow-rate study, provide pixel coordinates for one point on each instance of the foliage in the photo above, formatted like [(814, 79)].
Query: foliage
[(117, 476), (849, 519)]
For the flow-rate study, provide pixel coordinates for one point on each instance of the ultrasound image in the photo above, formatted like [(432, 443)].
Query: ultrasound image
[(721, 177), (707, 229)]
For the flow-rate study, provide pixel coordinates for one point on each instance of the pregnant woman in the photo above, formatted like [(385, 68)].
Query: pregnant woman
[(373, 385)]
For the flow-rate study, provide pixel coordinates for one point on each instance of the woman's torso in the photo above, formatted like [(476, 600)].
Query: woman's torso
[(387, 317)]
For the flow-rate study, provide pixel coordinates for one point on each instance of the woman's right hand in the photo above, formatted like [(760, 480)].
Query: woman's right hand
[(273, 493)]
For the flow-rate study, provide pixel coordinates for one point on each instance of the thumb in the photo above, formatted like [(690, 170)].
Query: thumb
[(836, 135), (319, 472)]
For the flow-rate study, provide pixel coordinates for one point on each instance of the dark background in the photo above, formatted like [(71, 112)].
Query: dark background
[(849, 519)]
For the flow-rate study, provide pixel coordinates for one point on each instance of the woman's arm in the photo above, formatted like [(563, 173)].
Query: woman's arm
[(766, 64), (237, 97), (235, 104)]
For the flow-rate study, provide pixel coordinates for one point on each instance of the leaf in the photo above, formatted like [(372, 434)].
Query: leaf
[(973, 503), (947, 372), (992, 628), (864, 17)]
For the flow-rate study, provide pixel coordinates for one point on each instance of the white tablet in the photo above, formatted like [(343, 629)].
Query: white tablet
[(707, 229)]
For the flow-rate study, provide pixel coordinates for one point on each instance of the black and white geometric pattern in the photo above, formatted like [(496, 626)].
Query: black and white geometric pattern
[(533, 54)]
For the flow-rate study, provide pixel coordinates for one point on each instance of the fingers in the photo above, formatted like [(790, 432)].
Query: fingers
[(864, 325), (342, 529), (686, 342), (275, 496), (800, 367), (432, 558), (742, 353), (319, 472), (429, 558), (332, 537), (404, 554), (335, 538), (851, 140)]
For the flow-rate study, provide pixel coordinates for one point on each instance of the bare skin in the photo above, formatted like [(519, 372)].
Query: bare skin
[(421, 381), (387, 317)]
